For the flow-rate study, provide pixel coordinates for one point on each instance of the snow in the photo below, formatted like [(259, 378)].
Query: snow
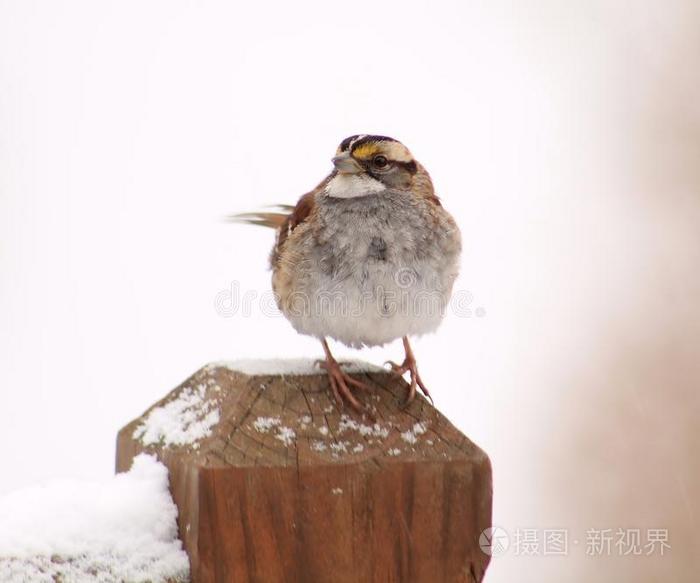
[(340, 446), (376, 430), (411, 435), (420, 428), (291, 366), (286, 435), (319, 446), (119, 529), (182, 421), (264, 424)]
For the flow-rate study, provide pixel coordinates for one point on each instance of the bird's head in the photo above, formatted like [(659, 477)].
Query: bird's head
[(367, 164)]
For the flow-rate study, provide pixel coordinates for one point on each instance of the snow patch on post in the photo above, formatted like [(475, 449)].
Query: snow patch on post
[(182, 421), (291, 366)]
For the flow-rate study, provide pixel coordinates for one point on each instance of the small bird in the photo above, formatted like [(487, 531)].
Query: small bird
[(368, 256)]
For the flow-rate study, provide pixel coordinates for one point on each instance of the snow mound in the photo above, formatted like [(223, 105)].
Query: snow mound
[(291, 366), (122, 529)]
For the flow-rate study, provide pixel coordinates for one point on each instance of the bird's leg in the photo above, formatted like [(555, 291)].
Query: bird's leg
[(341, 382), (409, 365)]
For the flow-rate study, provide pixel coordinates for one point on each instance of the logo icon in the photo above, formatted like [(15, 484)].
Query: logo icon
[(494, 541)]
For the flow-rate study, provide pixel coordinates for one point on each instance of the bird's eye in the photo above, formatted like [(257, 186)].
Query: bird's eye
[(380, 162)]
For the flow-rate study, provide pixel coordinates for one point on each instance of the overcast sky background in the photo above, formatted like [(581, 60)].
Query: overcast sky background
[(563, 137)]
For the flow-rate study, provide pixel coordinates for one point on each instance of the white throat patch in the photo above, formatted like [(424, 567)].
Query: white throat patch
[(353, 185)]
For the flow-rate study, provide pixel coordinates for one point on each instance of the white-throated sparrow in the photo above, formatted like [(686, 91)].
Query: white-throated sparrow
[(368, 256)]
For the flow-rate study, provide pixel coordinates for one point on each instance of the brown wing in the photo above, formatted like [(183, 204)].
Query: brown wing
[(283, 222), (298, 215)]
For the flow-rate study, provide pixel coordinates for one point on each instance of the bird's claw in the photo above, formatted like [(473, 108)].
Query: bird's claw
[(398, 369), (342, 385), (409, 365)]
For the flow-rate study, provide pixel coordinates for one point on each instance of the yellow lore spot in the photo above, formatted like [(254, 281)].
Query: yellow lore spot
[(366, 151)]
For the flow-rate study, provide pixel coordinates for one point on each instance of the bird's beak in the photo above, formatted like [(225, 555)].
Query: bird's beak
[(346, 164)]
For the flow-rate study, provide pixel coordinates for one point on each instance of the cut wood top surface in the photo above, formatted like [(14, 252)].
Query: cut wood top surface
[(258, 413)]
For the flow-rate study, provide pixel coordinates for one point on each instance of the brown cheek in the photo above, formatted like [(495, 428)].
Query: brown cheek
[(407, 181)]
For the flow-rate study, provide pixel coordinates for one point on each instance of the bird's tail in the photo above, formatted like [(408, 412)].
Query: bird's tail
[(263, 219)]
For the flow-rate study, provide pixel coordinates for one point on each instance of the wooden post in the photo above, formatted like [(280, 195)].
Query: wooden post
[(274, 484)]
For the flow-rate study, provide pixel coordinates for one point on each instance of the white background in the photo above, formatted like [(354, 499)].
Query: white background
[(563, 139)]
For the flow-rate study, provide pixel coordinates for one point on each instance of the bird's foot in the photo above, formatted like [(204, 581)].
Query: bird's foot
[(342, 385), (409, 366)]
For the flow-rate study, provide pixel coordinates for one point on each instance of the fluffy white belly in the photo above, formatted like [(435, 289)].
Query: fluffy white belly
[(382, 305)]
